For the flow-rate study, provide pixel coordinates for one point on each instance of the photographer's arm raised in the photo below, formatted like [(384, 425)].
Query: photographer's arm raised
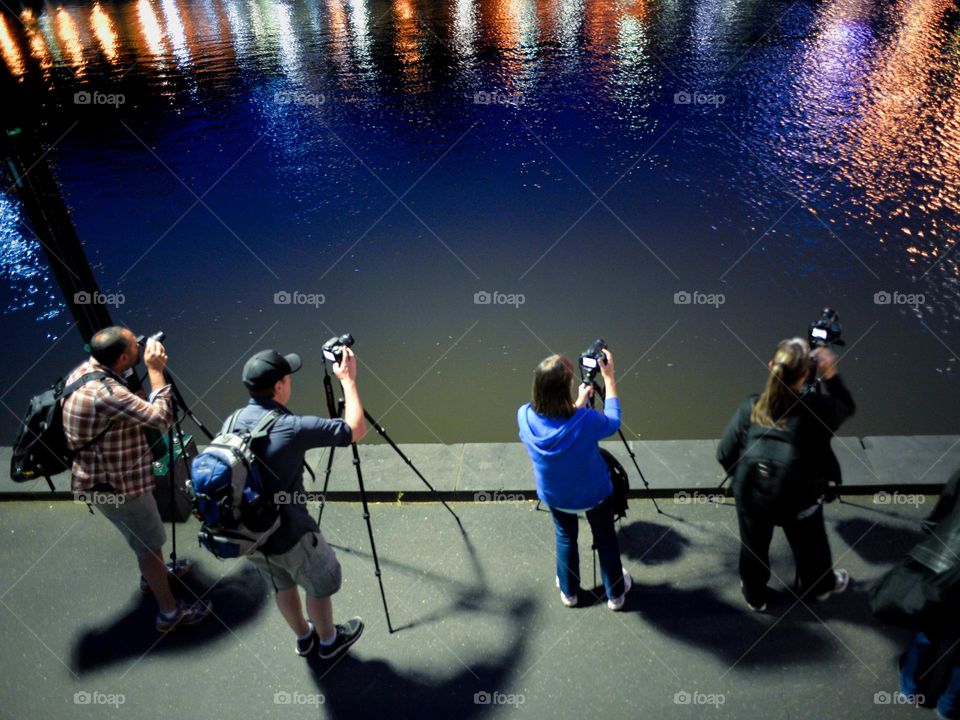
[(346, 372)]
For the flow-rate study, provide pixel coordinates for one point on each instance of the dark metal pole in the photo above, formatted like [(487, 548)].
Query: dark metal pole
[(25, 164)]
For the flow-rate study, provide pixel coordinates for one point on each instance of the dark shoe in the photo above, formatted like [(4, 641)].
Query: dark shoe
[(761, 607), (308, 645), (841, 578), (347, 635), (184, 566), (184, 616)]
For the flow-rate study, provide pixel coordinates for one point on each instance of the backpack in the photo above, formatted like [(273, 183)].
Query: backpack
[(621, 485), (235, 517), (41, 448), (767, 475)]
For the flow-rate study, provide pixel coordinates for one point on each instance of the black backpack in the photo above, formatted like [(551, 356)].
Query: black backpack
[(767, 474), (41, 447), (621, 485)]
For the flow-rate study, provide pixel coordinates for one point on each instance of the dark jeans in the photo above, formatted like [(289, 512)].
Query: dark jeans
[(811, 552), (605, 541), (923, 653)]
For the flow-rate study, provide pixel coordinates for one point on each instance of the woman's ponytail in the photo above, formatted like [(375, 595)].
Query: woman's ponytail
[(789, 365)]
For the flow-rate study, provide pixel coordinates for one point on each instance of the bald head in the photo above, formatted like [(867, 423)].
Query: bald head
[(115, 347)]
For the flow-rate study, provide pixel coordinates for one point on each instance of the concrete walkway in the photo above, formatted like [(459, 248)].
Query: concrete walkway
[(480, 629), (477, 470)]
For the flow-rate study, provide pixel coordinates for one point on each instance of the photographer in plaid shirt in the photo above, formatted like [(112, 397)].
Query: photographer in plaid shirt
[(116, 471)]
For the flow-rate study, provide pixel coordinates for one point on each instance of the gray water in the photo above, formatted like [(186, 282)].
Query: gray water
[(592, 165)]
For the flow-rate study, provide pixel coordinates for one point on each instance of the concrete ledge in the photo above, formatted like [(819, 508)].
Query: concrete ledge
[(915, 463)]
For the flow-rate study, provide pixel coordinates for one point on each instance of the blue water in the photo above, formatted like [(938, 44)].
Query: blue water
[(601, 161)]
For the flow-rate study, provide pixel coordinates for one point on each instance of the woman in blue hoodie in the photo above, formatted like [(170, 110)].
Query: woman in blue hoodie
[(561, 437)]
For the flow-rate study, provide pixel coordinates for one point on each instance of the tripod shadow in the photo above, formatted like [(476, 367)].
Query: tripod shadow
[(236, 599), (652, 543), (700, 618), (356, 688), (878, 543)]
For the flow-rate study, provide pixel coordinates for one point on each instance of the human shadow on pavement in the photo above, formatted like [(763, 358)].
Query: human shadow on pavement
[(700, 618), (356, 688), (236, 599), (879, 543), (651, 543)]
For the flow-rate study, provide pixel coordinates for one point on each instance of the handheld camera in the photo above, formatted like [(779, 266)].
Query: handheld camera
[(333, 348)]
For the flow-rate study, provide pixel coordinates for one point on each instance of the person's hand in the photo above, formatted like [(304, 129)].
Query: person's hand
[(346, 369), (154, 356), (606, 368), (585, 393), (826, 360)]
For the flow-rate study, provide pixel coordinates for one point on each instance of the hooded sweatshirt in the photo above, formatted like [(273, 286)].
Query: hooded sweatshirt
[(570, 473)]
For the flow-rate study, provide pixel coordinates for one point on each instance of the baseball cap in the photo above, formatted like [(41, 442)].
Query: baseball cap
[(268, 367)]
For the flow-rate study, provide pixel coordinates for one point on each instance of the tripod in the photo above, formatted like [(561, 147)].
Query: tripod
[(588, 379), (335, 409)]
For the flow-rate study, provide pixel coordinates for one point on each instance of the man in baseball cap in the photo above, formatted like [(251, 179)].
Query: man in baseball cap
[(296, 554), (268, 367)]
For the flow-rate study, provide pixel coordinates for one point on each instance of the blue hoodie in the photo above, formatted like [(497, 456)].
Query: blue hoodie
[(570, 472)]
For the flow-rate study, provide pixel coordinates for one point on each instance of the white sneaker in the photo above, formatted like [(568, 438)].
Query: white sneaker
[(568, 600), (841, 580), (617, 602)]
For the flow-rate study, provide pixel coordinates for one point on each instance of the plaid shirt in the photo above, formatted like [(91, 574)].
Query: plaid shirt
[(122, 456)]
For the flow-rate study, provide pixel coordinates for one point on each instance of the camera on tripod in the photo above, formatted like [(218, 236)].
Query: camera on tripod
[(159, 336), (592, 358), (333, 348), (825, 330)]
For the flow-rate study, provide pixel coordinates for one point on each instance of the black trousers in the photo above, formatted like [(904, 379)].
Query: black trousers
[(811, 552)]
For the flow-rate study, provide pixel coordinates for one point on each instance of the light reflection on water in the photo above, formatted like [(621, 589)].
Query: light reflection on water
[(828, 157)]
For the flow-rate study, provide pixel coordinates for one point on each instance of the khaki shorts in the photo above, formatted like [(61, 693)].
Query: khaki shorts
[(311, 564), (138, 520)]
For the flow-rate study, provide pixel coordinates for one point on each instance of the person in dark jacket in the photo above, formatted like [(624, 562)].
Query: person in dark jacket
[(812, 418), (561, 437), (936, 650)]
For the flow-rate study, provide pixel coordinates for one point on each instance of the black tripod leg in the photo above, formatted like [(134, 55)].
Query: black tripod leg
[(326, 484), (639, 471), (383, 434), (373, 544), (173, 499)]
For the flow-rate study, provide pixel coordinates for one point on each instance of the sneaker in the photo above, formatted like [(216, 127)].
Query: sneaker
[(568, 600), (617, 602), (762, 607), (347, 635), (307, 645), (841, 580), (184, 615), (183, 567)]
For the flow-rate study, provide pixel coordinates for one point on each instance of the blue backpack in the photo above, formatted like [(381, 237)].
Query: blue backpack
[(235, 516)]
